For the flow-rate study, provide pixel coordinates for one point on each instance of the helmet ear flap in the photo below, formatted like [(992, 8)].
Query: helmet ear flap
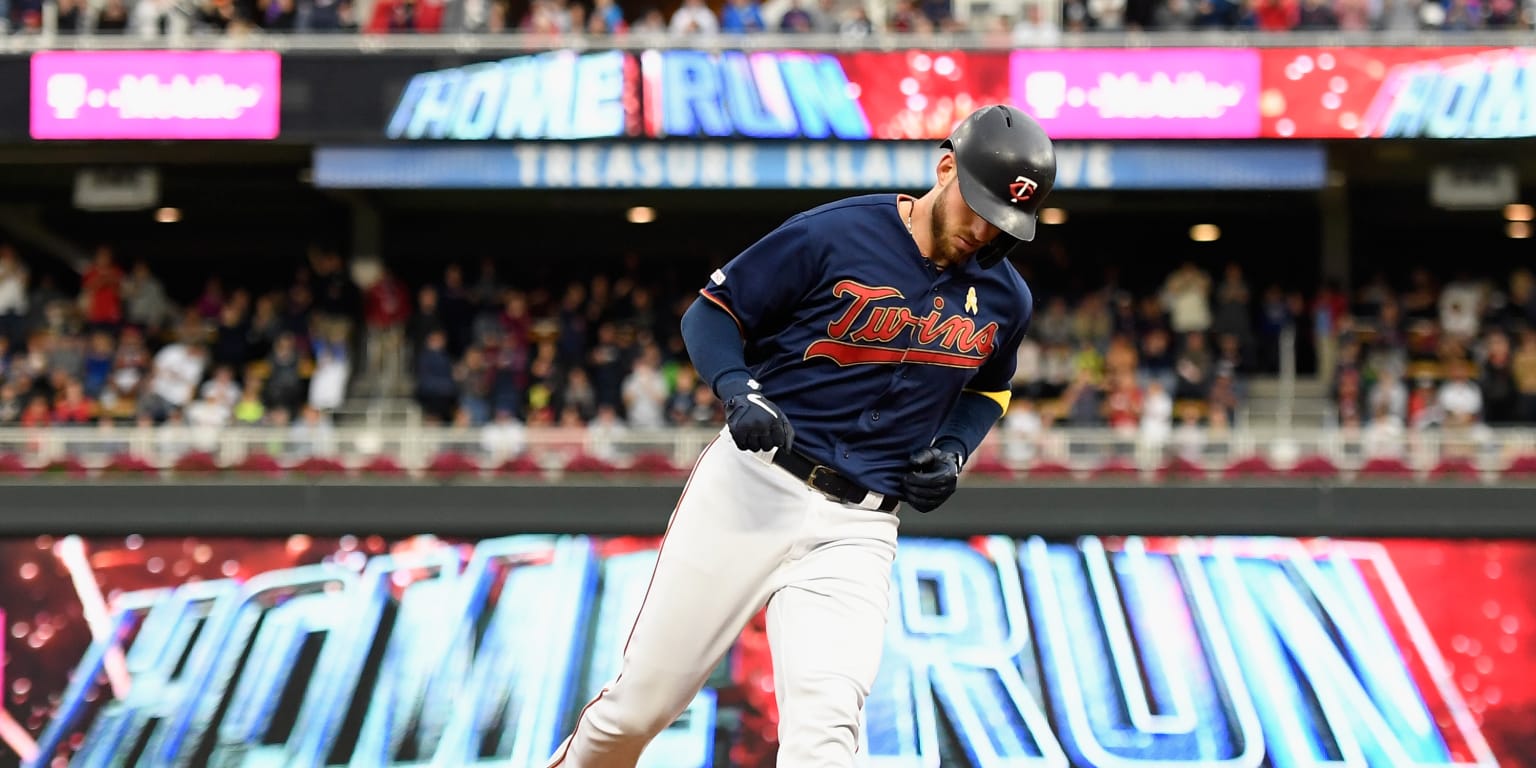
[(993, 253)]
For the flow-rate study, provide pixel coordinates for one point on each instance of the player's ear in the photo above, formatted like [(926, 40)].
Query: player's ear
[(946, 168)]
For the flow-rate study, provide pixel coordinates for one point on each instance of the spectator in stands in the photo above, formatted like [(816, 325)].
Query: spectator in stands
[(472, 375), (177, 370), (1108, 15), (250, 411), (98, 363), (313, 434), (148, 307), (331, 16), (13, 295), (1383, 437), (428, 318), (101, 287), (1054, 326), (1022, 430), (72, 406), (645, 391), (231, 338), (741, 17), (1186, 297), (694, 17), (504, 437), (1123, 405), (1189, 438), (286, 384), (332, 371), (905, 18), (1156, 414), (386, 308), (1092, 323), (1462, 16), (112, 18), (1192, 370), (11, 403), (1275, 15), (606, 434), (1233, 302), (1157, 358), (578, 393), (606, 18), (650, 22), (796, 20), (1461, 308), (1317, 15), (857, 25), (222, 389), (36, 413), (1523, 368), (456, 308), (1354, 15), (1501, 397), (1460, 400), (436, 390), (1389, 396), (206, 417), (1520, 306)]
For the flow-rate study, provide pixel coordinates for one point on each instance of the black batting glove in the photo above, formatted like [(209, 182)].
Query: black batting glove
[(755, 422), (932, 474)]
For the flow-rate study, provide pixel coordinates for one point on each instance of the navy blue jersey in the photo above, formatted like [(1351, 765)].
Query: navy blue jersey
[(861, 341)]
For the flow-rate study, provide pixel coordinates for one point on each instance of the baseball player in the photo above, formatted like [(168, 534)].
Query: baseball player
[(862, 350)]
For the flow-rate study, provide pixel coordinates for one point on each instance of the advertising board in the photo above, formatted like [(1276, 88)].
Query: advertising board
[(155, 94), (1091, 651)]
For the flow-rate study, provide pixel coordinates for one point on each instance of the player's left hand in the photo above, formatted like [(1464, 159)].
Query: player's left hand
[(931, 477)]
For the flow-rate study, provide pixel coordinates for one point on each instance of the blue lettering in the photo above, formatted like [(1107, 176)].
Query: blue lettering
[(1407, 114), (1335, 689), (432, 113), (169, 670), (479, 102), (1099, 653), (962, 635), (690, 90), (1129, 678), (818, 87), (598, 107), (290, 606), (755, 93)]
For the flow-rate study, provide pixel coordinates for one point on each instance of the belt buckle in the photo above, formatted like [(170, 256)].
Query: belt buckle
[(816, 473)]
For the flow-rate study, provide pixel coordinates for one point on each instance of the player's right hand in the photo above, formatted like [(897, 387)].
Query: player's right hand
[(755, 422)]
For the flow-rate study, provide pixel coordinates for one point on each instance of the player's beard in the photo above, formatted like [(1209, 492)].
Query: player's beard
[(944, 252)]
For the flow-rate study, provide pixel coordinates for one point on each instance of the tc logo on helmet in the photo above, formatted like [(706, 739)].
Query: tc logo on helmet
[(1021, 189)]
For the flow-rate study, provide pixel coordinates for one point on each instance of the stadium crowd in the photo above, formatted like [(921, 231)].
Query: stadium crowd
[(604, 353), (1031, 25), (1425, 354)]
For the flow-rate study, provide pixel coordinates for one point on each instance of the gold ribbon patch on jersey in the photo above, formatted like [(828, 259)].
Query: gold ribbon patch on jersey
[(970, 300)]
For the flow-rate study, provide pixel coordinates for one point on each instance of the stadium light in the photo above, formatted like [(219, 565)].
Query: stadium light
[(1519, 212), (1518, 230), (1205, 233), (641, 214), (1053, 215), (168, 215)]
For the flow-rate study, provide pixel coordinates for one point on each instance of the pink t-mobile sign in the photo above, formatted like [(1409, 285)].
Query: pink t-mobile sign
[(155, 94), (1206, 93)]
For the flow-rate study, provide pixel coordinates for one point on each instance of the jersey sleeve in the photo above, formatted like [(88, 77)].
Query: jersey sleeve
[(995, 376), (761, 287)]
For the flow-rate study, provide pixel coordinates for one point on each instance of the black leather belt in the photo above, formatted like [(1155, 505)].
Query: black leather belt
[(828, 481)]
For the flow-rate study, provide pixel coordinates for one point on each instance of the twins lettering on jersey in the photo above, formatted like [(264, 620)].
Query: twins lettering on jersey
[(872, 332)]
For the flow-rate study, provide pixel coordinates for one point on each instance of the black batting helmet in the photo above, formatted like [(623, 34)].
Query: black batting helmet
[(1006, 166)]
